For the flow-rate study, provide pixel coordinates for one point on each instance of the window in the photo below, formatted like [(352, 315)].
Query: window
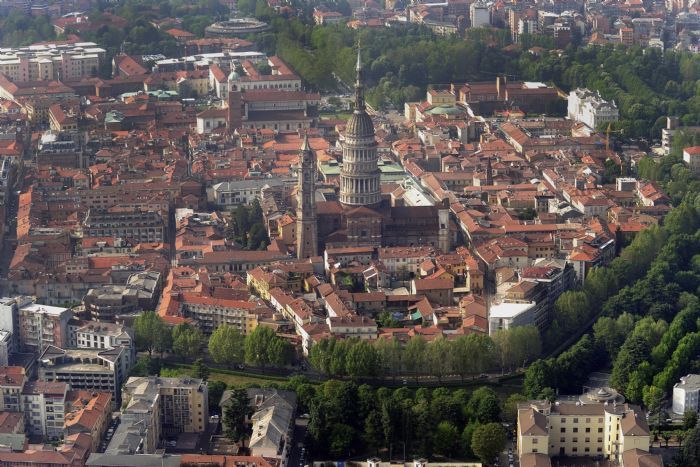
[(588, 430), (588, 420), (563, 430), (575, 420), (575, 430), (575, 440), (600, 430), (535, 441), (562, 440), (574, 450)]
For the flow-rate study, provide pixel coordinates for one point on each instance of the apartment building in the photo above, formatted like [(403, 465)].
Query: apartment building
[(51, 62), (12, 380), (99, 335), (9, 319), (133, 224), (42, 325), (588, 107), (112, 302), (88, 412), (686, 394), (209, 313), (596, 424), (227, 195), (45, 408), (156, 407), (89, 369)]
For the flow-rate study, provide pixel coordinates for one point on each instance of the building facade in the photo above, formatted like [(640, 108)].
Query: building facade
[(588, 107), (575, 428), (685, 394)]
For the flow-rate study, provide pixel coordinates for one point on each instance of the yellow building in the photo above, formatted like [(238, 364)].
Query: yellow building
[(584, 427)]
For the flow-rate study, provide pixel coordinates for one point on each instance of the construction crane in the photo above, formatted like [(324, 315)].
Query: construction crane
[(607, 135)]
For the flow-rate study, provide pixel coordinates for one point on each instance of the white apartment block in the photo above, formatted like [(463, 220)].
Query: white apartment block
[(228, 195), (99, 335), (589, 108), (479, 14), (685, 394), (51, 61)]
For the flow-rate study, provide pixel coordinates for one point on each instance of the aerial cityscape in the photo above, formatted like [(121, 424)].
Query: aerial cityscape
[(349, 233)]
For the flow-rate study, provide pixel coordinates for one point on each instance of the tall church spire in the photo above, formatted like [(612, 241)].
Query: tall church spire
[(307, 229), (359, 82)]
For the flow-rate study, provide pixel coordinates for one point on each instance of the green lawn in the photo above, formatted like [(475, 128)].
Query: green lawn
[(230, 377)]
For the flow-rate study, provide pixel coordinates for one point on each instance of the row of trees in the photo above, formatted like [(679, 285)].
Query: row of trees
[(347, 419), (467, 355), (262, 347)]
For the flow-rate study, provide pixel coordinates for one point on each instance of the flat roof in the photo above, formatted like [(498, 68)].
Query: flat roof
[(509, 310)]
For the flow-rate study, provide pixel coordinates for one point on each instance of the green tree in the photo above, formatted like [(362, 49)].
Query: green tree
[(446, 439), (484, 405), (362, 360), (236, 412), (488, 441), (216, 390), (653, 400), (200, 370), (187, 341), (510, 407), (691, 449), (151, 332), (226, 345), (341, 439), (690, 419), (466, 440), (264, 348)]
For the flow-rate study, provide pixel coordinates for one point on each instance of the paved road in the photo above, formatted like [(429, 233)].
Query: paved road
[(298, 455)]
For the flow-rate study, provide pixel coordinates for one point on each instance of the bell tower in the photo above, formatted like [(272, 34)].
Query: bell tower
[(307, 229)]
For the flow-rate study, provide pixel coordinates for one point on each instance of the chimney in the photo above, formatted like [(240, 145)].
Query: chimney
[(234, 119)]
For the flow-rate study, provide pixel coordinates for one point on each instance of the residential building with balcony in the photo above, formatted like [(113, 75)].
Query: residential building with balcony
[(42, 325), (101, 335), (12, 380), (134, 224), (45, 408), (88, 369), (156, 407)]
